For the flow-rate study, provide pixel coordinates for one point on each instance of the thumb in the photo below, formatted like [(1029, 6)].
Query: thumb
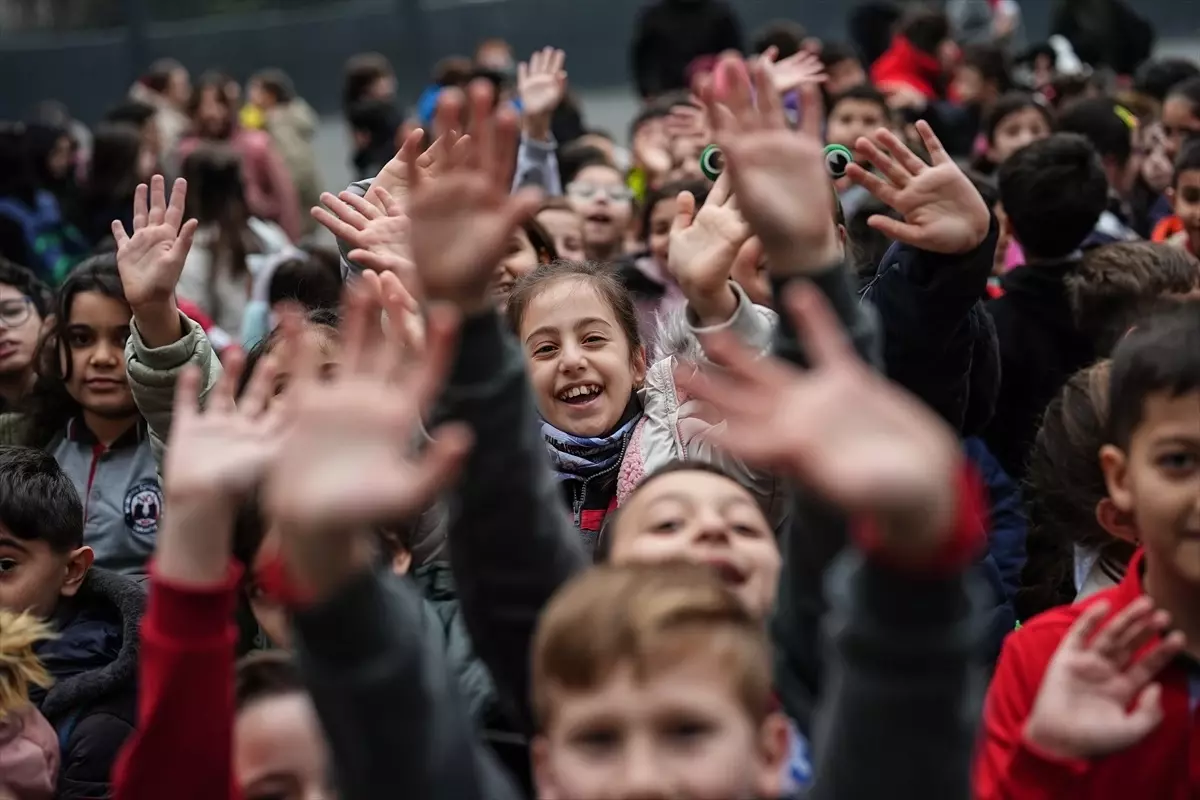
[(685, 212), (1147, 712), (896, 230)]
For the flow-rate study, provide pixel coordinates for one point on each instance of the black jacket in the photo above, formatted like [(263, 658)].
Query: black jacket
[(1040, 348), (670, 34), (93, 702)]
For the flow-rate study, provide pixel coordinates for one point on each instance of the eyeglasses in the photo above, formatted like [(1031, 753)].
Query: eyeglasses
[(586, 191), (15, 313)]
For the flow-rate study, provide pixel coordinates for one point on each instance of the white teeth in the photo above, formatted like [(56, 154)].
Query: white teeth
[(579, 391)]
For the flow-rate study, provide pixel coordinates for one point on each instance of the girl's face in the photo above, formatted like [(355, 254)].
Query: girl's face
[(580, 361), (566, 228), (1180, 123), (94, 339), (212, 114), (520, 260), (659, 236), (316, 340), (279, 752), (1015, 131), (601, 197)]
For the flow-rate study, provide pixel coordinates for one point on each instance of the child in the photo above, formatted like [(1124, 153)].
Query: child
[(94, 616), (1138, 742), (24, 303), (915, 65), (1053, 191), (565, 226), (1181, 116), (857, 112), (292, 124), (1113, 132), (1017, 119), (1074, 546), (843, 69), (28, 747), (620, 647), (598, 193), (1184, 196)]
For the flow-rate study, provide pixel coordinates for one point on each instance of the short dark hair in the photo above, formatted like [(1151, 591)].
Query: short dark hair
[(307, 281), (1189, 90), (657, 109), (28, 284), (1118, 283), (1188, 160), (1159, 356), (785, 35), (1011, 103), (361, 71), (991, 62), (132, 112), (574, 158), (605, 540), (264, 674), (925, 28), (1156, 78), (669, 191), (865, 93), (1098, 120), (277, 83), (1053, 192), (836, 52), (38, 502)]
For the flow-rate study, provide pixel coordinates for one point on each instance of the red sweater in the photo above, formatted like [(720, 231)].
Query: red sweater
[(183, 745), (1163, 766), (903, 65)]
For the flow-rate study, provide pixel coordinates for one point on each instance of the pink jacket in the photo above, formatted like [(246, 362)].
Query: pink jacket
[(28, 755), (270, 193)]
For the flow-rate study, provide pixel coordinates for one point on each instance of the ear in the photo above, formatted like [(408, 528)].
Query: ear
[(543, 773), (1006, 230), (639, 366), (1117, 522), (842, 234), (774, 747), (1115, 465), (78, 564)]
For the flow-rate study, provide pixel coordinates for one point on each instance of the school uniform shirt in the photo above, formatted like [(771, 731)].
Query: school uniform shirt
[(1165, 765), (121, 493)]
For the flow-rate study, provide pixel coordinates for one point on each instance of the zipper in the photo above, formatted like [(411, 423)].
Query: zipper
[(581, 492)]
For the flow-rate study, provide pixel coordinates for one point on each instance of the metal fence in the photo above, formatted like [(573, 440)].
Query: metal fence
[(86, 52)]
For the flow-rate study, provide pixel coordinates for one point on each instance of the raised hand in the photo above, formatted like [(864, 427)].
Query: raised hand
[(1097, 697), (778, 174), (541, 85), (393, 179), (216, 457), (346, 460), (364, 227), (151, 260), (943, 212), (798, 69), (703, 248), (839, 428), (462, 221)]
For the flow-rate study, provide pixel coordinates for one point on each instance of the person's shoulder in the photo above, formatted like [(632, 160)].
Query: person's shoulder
[(1039, 637)]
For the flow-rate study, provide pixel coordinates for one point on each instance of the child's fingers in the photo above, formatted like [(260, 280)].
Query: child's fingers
[(187, 393), (141, 209), (441, 461), (1105, 641), (1081, 631), (1148, 666), (441, 334), (879, 188), (873, 152), (1147, 712), (257, 396), (174, 215), (770, 107), (360, 204), (895, 229), (905, 157), (221, 397), (505, 142), (1138, 635), (119, 234), (183, 242), (685, 209), (937, 151), (158, 200)]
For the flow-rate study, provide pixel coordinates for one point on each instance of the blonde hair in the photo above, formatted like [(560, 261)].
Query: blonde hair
[(19, 666), (651, 618)]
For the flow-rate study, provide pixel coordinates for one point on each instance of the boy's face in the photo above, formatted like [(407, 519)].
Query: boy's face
[(969, 87), (1015, 131), (702, 518), (658, 238), (33, 576), (279, 752), (1185, 200), (683, 732), (20, 327), (601, 197), (1180, 124), (1157, 480), (853, 118)]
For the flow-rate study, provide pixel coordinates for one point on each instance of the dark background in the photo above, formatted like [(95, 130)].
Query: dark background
[(86, 52)]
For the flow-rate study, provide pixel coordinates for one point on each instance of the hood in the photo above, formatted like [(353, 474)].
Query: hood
[(96, 653), (675, 336), (298, 115), (904, 64)]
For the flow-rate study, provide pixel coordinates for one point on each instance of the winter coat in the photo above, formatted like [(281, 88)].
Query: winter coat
[(29, 755)]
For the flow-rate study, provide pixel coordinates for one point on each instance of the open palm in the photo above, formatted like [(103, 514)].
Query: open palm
[(942, 210), (364, 226), (704, 244), (1083, 708), (151, 260), (541, 83), (798, 69)]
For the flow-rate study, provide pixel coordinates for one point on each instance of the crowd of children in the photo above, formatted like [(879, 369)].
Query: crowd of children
[(577, 471)]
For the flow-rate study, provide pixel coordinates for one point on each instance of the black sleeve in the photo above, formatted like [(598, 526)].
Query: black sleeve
[(85, 769), (511, 540), (387, 700), (925, 303)]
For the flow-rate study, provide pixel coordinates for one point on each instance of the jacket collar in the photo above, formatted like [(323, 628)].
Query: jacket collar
[(78, 431)]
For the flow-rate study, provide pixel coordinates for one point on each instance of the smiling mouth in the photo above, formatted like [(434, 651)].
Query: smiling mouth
[(580, 395), (600, 219)]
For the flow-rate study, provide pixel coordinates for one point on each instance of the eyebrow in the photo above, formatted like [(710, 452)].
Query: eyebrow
[(8, 541), (583, 323)]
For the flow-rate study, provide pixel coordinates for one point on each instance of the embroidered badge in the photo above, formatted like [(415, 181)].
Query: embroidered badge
[(143, 507)]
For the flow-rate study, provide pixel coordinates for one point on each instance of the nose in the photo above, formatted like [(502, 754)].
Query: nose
[(106, 354), (571, 358), (644, 776), (710, 525)]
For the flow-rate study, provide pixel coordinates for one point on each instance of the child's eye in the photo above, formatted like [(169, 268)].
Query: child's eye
[(544, 349), (598, 739), (594, 340), (745, 530), (666, 525), (687, 731), (7, 564), (1177, 462), (78, 339)]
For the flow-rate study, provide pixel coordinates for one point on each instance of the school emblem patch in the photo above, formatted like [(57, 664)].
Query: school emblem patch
[(143, 507)]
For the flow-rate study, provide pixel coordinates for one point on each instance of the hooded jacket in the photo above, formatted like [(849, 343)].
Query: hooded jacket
[(292, 127), (903, 66), (92, 705), (28, 755)]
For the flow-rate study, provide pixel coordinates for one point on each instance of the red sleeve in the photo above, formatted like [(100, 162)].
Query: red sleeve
[(185, 696), (1006, 766)]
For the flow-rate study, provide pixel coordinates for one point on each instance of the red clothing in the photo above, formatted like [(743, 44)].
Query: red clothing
[(270, 192), (1163, 766), (183, 745), (903, 65)]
